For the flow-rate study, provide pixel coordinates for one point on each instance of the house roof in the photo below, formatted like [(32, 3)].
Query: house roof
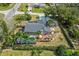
[(47, 29), (33, 27)]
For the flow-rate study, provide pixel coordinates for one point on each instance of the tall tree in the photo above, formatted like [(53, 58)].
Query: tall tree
[(66, 14)]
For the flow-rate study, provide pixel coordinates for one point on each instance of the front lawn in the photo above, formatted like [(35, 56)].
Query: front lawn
[(23, 7), (3, 8), (21, 17)]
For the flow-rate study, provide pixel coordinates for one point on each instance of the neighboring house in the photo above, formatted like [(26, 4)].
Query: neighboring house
[(31, 5), (36, 27)]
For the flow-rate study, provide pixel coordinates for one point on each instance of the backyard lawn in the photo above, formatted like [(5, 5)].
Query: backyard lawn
[(47, 53), (6, 7), (10, 52), (23, 7)]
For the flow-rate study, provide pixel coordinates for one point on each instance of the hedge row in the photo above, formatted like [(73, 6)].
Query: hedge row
[(66, 36), (25, 47)]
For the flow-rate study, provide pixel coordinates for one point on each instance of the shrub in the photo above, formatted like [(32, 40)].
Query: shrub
[(60, 50), (31, 47)]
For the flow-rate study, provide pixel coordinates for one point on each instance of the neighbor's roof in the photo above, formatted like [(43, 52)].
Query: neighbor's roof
[(33, 27)]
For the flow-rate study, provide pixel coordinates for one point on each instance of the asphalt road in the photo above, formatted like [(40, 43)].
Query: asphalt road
[(12, 11), (9, 14)]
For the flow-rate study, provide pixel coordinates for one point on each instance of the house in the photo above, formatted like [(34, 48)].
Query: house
[(36, 27)]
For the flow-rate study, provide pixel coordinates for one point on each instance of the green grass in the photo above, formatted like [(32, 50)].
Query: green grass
[(33, 18), (6, 7), (1, 16), (37, 10), (23, 7), (17, 18), (10, 52), (77, 51), (47, 53), (69, 52)]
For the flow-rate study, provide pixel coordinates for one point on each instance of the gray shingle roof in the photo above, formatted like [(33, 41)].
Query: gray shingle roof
[(33, 27), (47, 29)]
